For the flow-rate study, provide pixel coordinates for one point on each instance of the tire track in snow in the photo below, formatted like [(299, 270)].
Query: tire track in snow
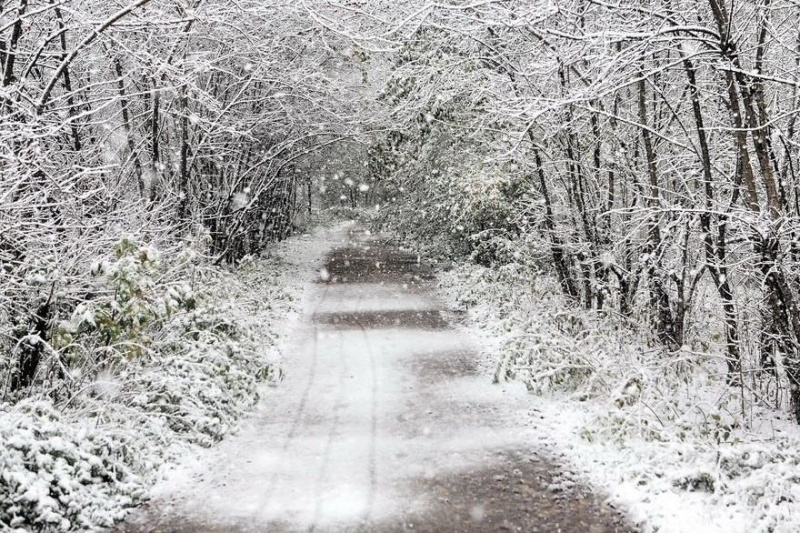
[(312, 375), (373, 425), (332, 433), (302, 405), (374, 392), (372, 461)]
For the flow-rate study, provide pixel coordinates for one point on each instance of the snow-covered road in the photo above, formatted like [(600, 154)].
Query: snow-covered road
[(385, 422)]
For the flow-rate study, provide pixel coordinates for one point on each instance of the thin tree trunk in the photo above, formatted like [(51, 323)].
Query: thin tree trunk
[(556, 246), (11, 51), (155, 138), (183, 171), (659, 298), (71, 106), (126, 124), (715, 251)]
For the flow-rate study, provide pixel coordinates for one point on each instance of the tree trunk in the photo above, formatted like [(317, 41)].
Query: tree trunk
[(126, 124), (659, 298), (71, 106), (183, 171), (560, 261), (715, 251), (10, 54)]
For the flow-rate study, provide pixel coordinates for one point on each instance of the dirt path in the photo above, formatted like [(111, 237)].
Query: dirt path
[(383, 423)]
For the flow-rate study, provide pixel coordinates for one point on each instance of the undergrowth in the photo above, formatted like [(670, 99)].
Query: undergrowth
[(664, 423), (166, 352)]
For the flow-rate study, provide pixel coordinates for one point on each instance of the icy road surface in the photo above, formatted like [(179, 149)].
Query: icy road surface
[(385, 422)]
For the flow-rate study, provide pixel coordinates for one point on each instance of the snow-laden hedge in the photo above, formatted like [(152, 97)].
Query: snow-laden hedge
[(662, 433), (169, 353)]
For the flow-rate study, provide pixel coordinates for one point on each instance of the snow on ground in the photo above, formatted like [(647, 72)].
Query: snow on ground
[(676, 453), (310, 452)]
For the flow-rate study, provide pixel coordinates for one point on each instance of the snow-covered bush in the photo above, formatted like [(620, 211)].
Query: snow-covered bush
[(58, 475), (645, 409), (205, 374), (114, 326), (547, 344), (167, 351)]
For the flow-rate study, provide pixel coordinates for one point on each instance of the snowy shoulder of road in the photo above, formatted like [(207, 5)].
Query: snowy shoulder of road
[(677, 453), (282, 277)]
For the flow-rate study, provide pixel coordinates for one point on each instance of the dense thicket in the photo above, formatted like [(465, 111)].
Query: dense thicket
[(645, 151), (146, 122)]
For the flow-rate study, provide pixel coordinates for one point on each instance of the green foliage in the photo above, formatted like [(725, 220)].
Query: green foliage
[(129, 303), (150, 365), (466, 206)]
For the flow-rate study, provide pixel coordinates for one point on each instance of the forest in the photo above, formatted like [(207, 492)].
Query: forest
[(638, 158), (647, 160)]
